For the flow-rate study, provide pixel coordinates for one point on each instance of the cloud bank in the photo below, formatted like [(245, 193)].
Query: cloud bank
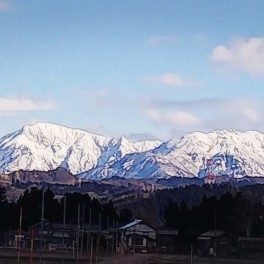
[(15, 105), (207, 114), (175, 118), (245, 55), (171, 79)]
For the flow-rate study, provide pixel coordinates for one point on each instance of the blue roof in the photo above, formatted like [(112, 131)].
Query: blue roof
[(135, 222)]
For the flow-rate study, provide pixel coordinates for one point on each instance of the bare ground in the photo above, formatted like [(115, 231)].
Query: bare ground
[(10, 257)]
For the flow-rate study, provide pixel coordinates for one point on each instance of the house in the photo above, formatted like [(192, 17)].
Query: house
[(15, 239), (215, 243), (167, 240), (52, 236), (34, 235), (62, 235), (137, 237), (250, 245)]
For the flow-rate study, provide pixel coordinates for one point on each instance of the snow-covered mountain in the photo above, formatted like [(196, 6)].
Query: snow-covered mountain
[(234, 154), (45, 147)]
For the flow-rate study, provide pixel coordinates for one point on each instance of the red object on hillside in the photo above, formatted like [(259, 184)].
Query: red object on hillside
[(210, 176)]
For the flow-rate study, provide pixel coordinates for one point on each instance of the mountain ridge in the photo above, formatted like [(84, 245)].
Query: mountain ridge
[(46, 146)]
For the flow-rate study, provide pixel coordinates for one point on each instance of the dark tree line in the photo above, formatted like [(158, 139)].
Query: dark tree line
[(31, 204), (236, 214)]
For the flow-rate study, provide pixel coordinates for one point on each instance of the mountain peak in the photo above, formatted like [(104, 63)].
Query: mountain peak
[(47, 146)]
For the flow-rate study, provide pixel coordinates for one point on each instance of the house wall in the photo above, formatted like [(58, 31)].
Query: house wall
[(131, 242), (141, 229), (138, 237), (223, 246), (167, 241)]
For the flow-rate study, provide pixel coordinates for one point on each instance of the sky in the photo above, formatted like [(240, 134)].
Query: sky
[(142, 69)]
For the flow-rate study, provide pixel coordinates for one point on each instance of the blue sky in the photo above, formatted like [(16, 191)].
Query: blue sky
[(137, 68)]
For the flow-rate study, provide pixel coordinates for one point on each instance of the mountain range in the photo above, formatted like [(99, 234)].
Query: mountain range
[(47, 147)]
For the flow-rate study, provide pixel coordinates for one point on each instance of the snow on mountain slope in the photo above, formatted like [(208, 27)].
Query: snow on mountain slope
[(46, 146), (234, 154), (145, 165), (117, 148), (246, 149)]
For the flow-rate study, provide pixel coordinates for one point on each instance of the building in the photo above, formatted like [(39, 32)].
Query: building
[(251, 246), (15, 239), (215, 243), (167, 240), (137, 237), (52, 237)]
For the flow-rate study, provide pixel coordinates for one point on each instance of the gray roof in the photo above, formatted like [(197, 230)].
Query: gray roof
[(204, 238), (135, 222), (212, 233)]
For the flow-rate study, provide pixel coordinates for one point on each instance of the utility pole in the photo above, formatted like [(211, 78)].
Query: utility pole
[(42, 224), (116, 244), (20, 234), (98, 234), (191, 253), (116, 241), (113, 236), (78, 234), (31, 245), (89, 232), (214, 232), (91, 253), (107, 240), (64, 223), (82, 230)]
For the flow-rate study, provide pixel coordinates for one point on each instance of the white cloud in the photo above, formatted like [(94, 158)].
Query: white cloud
[(178, 118), (171, 79), (207, 114), (14, 105), (251, 114), (241, 54), (248, 109), (157, 40)]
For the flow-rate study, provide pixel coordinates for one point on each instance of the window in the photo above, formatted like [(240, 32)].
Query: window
[(223, 241), (138, 241)]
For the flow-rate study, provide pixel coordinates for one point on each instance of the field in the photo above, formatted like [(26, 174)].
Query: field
[(10, 257)]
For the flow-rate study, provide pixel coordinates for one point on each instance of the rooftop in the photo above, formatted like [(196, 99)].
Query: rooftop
[(135, 222)]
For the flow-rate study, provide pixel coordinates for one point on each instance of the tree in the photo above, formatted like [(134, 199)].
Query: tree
[(2, 194), (125, 216)]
